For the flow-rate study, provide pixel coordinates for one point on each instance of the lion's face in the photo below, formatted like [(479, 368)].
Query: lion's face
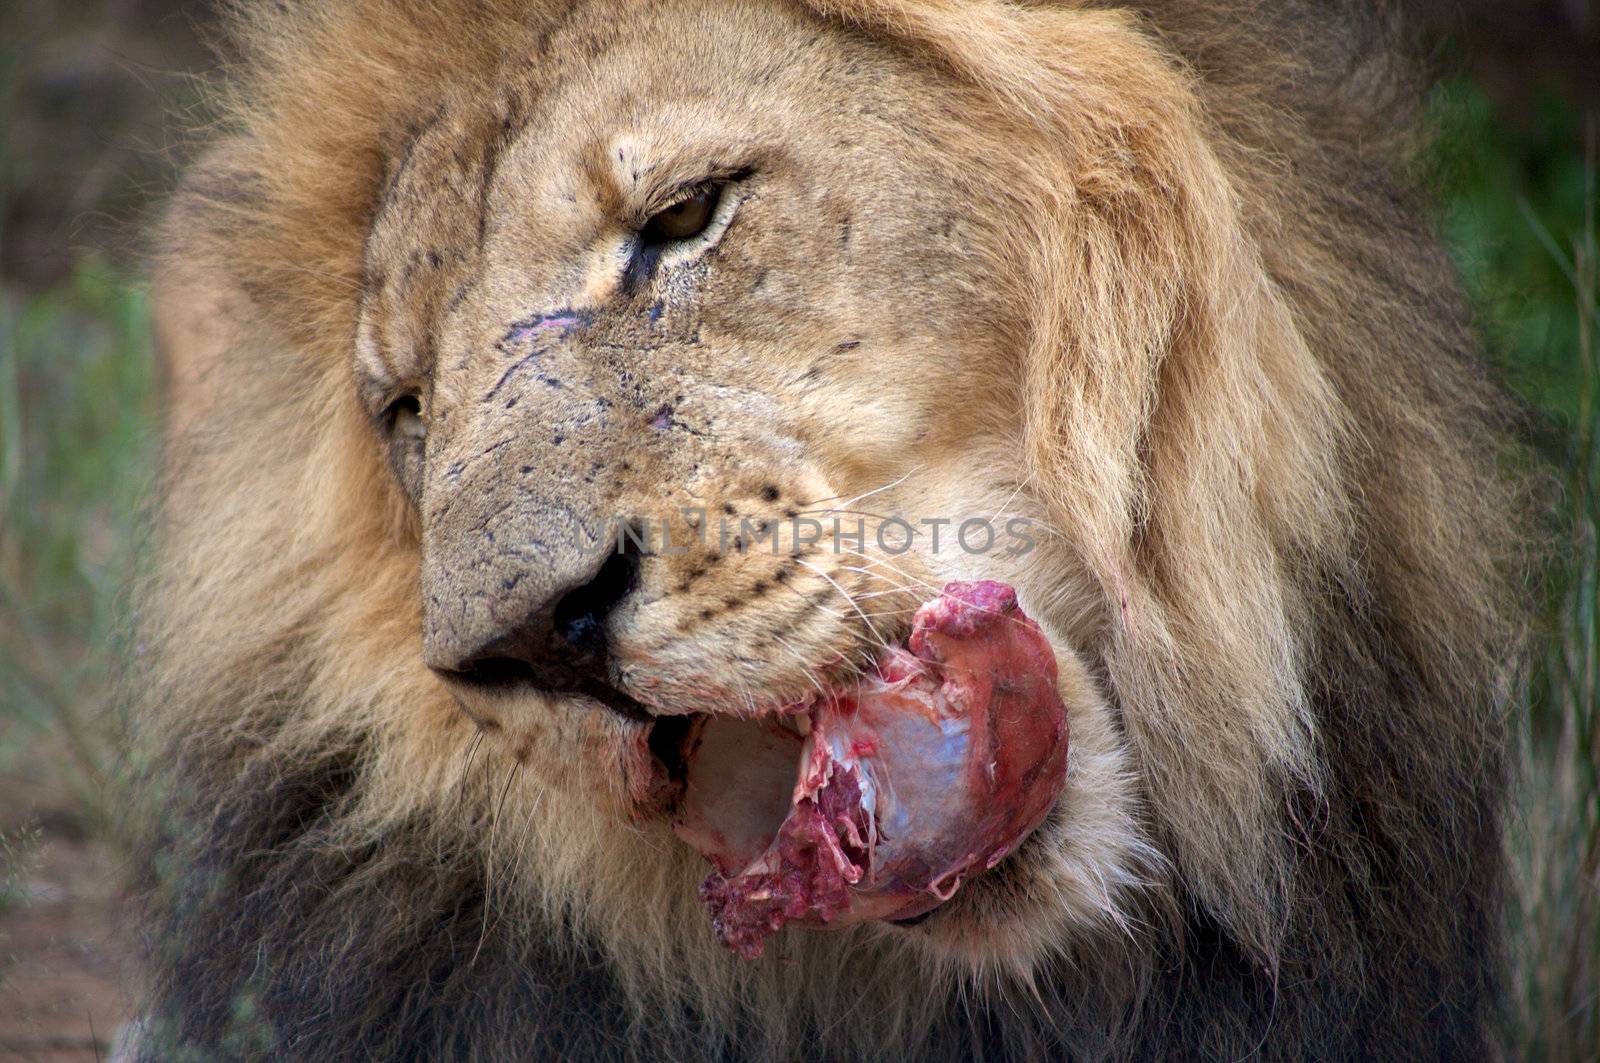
[(755, 311), (733, 309)]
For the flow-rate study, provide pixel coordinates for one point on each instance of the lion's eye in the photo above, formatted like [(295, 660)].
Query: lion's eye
[(682, 220), (404, 417)]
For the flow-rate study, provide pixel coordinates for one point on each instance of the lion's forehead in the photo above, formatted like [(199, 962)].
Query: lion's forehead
[(490, 194)]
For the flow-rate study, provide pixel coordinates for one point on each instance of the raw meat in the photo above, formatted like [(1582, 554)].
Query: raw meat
[(876, 801)]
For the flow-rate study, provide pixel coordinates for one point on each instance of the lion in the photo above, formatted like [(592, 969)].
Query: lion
[(459, 288)]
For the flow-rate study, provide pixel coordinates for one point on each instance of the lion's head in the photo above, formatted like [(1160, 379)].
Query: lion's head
[(467, 291)]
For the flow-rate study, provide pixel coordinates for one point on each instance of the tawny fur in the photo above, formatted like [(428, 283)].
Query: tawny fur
[(1187, 320)]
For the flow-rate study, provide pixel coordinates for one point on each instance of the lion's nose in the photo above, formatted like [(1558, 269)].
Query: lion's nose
[(560, 645)]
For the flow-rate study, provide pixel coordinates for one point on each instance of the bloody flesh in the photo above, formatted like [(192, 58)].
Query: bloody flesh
[(876, 800)]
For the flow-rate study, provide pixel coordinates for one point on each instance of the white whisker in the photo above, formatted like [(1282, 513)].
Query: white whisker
[(846, 595)]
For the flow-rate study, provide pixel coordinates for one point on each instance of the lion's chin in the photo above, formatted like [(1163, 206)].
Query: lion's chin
[(875, 799)]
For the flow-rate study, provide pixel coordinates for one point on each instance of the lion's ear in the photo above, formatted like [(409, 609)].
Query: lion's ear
[(194, 318), (200, 308), (1177, 425)]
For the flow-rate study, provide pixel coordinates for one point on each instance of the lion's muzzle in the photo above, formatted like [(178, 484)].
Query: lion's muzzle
[(558, 646)]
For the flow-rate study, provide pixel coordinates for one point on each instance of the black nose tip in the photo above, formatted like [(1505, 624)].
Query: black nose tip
[(561, 645), (580, 616)]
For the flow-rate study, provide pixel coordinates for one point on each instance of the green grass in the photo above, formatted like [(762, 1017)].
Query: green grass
[(77, 415), (1514, 199), (1558, 850), (1519, 213)]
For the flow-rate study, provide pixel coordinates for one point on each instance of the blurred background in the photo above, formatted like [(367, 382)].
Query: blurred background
[(96, 99)]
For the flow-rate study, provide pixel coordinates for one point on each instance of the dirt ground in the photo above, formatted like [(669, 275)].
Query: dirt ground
[(63, 989)]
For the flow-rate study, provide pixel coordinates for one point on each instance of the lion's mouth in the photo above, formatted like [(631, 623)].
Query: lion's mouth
[(876, 798)]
